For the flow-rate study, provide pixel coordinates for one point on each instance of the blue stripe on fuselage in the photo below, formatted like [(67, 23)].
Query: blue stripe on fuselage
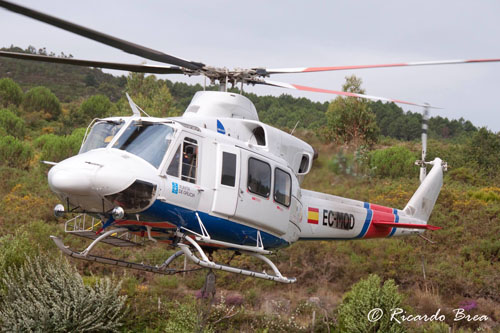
[(396, 220), (368, 219), (218, 228)]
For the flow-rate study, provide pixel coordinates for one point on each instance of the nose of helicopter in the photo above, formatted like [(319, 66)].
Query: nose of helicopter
[(87, 179), (68, 181)]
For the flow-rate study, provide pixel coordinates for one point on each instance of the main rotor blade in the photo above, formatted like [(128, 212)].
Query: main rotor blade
[(341, 68), (91, 63), (335, 92), (103, 38)]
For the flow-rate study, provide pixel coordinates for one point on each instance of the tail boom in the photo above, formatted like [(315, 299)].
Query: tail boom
[(329, 217)]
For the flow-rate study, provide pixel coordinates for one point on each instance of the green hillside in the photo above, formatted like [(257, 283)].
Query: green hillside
[(459, 269)]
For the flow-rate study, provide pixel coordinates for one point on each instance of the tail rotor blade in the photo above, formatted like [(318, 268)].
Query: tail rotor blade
[(425, 118)]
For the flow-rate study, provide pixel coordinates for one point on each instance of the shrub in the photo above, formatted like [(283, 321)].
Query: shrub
[(12, 124), (98, 106), (15, 153), (57, 148), (50, 296), (393, 162), (364, 296), (41, 102), (484, 149), (14, 250), (10, 93), (183, 317), (346, 163)]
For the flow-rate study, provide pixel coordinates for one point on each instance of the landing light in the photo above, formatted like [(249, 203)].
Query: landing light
[(59, 210), (118, 213)]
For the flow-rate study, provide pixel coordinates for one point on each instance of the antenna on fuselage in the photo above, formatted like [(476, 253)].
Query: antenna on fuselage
[(294, 127)]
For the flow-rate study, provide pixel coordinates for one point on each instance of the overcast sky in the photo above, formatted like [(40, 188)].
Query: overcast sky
[(300, 34)]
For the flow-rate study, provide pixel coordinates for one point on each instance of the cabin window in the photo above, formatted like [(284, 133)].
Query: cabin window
[(228, 176), (101, 135), (259, 177), (282, 187)]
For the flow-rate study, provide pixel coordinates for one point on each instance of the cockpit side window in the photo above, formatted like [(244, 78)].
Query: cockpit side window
[(184, 166), (173, 168), (101, 135)]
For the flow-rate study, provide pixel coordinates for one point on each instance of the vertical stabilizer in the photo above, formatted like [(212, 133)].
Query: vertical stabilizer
[(422, 202)]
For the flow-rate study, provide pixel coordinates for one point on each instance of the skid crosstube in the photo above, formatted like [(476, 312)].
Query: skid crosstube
[(103, 260)]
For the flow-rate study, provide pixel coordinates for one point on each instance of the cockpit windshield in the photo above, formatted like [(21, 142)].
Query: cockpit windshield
[(149, 141), (101, 135)]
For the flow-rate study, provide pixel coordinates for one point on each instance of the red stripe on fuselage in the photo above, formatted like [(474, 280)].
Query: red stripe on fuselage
[(160, 225), (380, 214), (382, 208)]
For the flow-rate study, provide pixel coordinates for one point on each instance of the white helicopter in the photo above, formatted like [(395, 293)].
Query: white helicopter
[(215, 178)]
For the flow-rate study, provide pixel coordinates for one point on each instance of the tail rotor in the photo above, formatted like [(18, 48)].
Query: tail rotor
[(422, 162)]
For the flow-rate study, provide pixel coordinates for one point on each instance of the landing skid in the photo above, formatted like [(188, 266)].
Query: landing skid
[(205, 262), (185, 240)]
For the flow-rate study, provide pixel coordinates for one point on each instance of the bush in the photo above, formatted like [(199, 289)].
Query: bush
[(484, 149), (41, 102), (50, 296), (57, 148), (183, 317), (353, 164), (393, 162), (12, 124), (98, 106), (14, 250), (364, 296), (15, 153), (10, 93)]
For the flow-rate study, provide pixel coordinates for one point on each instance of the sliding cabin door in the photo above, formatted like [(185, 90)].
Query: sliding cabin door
[(260, 196)]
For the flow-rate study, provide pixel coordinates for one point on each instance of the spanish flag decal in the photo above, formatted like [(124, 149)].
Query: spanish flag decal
[(312, 215)]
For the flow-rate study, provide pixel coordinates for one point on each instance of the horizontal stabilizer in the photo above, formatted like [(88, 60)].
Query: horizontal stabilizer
[(405, 225)]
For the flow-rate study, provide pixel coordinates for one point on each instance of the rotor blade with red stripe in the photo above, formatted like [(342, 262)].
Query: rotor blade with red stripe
[(99, 64), (342, 68), (335, 92)]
